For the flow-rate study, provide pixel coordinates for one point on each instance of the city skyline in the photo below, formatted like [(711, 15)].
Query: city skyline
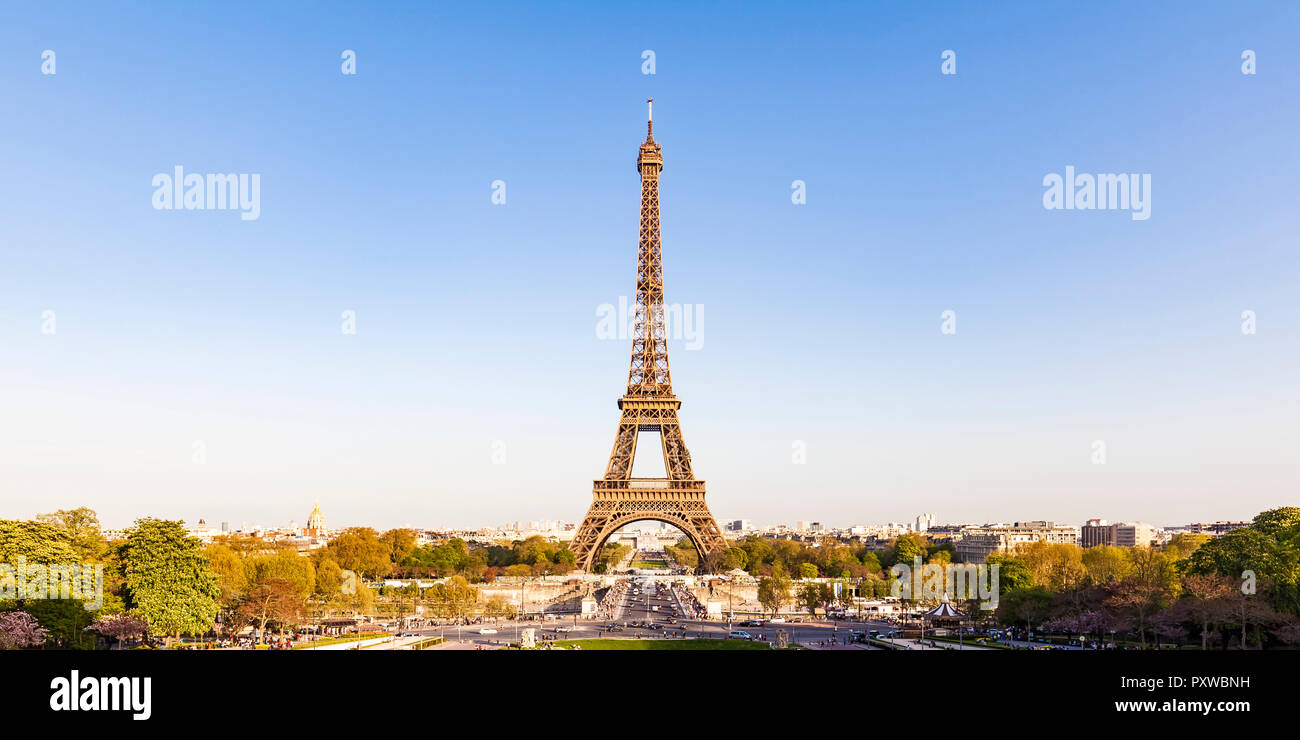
[(200, 363), (556, 524)]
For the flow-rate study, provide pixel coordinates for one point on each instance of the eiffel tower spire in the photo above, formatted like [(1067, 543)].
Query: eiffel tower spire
[(649, 405), (648, 375)]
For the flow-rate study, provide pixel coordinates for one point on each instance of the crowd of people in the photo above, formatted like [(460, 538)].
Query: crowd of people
[(691, 606)]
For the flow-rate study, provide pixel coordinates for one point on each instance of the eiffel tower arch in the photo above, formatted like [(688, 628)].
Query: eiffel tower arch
[(649, 405)]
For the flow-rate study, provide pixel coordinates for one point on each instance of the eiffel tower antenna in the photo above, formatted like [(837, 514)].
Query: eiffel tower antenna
[(618, 499)]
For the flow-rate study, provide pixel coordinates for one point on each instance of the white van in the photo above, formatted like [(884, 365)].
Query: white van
[(739, 635)]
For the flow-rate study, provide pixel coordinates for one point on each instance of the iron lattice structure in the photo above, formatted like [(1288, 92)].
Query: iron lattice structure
[(619, 499)]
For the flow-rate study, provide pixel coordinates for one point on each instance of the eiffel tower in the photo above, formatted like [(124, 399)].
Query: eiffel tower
[(619, 499)]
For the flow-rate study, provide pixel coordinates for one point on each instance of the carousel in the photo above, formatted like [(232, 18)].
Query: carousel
[(943, 620)]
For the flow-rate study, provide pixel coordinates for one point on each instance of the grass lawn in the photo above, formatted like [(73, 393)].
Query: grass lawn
[(333, 640), (664, 644), (649, 564)]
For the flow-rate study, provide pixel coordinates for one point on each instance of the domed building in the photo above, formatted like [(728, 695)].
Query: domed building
[(316, 523)]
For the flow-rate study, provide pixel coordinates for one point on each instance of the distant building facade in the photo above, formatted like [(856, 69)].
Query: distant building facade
[(979, 542), (1096, 532)]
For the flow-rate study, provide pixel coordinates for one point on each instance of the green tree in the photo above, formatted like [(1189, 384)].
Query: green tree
[(871, 562), (286, 565), (360, 549), (1013, 574), (813, 596), (329, 578), (38, 542), (907, 548), (735, 557), (231, 572), (81, 525), (65, 620), (807, 570), (167, 579), (401, 543), (1105, 564), (774, 590)]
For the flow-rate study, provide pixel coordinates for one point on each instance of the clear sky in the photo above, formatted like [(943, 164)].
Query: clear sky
[(476, 322)]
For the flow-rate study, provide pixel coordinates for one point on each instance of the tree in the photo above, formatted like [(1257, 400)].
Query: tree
[(909, 547), (807, 570), (1183, 546), (19, 630), (812, 596), (1205, 596), (272, 600), (360, 549), (38, 542), (81, 526), (329, 578), (871, 562), (735, 557), (1012, 572), (453, 597), (64, 621), (231, 573), (1028, 606), (118, 627), (774, 591), (1105, 564), (286, 565), (401, 543), (168, 580), (1268, 550), (1057, 566)]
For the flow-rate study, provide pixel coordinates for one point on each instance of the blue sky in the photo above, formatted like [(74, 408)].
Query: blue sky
[(476, 322)]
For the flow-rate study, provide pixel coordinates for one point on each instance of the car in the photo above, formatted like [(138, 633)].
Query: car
[(776, 620), (487, 631), (563, 630), (739, 635), (613, 628)]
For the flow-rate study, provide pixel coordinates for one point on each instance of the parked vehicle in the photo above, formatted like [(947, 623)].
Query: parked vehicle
[(739, 635)]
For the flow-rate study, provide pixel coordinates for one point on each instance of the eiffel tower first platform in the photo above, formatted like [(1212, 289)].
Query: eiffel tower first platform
[(649, 405)]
